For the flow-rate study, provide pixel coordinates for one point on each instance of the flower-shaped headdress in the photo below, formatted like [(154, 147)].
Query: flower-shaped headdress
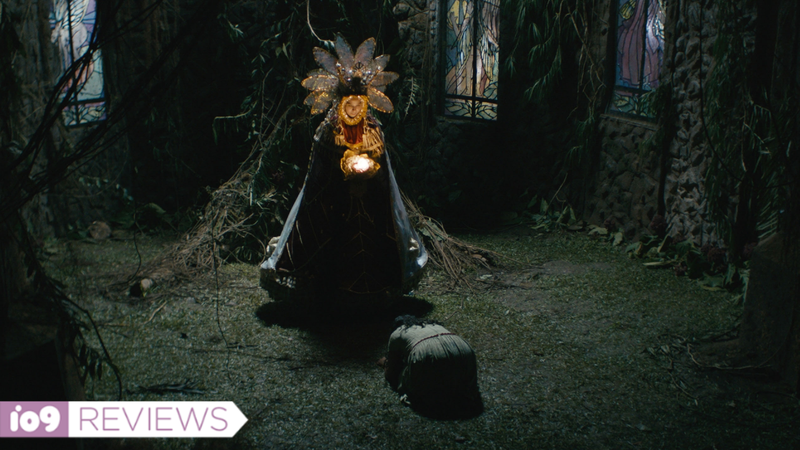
[(350, 74)]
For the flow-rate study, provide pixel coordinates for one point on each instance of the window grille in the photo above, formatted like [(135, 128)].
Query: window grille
[(640, 53), (471, 58), (73, 27)]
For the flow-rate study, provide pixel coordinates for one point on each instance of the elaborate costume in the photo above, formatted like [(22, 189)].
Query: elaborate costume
[(434, 368), (348, 231)]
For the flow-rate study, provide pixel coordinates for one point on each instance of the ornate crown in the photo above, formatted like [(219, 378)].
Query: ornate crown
[(350, 74)]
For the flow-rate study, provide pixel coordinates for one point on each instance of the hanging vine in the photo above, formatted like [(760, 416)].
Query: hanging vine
[(747, 131), (548, 33)]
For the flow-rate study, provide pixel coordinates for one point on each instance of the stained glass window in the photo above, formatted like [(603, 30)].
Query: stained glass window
[(471, 58), (72, 23), (640, 51)]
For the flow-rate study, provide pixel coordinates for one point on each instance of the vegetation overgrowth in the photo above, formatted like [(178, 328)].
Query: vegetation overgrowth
[(578, 347)]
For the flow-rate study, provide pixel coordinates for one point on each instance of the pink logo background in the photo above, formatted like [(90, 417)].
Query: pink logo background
[(9, 413)]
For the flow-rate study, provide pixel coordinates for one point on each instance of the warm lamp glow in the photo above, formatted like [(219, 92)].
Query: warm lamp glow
[(360, 167), (360, 164)]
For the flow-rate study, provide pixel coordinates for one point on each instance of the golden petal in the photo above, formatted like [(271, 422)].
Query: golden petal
[(365, 51), (379, 63), (323, 82), (325, 60), (379, 101), (317, 72), (321, 102), (384, 78), (344, 51)]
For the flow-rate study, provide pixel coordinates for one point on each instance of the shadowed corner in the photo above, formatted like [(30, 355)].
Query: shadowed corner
[(317, 314), (343, 323), (449, 409)]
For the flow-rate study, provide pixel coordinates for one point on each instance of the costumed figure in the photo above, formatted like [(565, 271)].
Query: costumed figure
[(434, 369), (348, 231)]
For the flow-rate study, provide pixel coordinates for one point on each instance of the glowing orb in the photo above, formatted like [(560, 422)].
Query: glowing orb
[(360, 164)]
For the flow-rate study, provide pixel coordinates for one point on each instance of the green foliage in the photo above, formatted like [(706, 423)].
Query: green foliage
[(659, 103), (543, 29), (544, 216), (585, 137), (548, 33), (614, 237), (749, 139), (710, 266), (91, 362)]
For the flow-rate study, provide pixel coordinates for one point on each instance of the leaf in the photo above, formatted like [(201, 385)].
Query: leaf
[(617, 238), (658, 264), (684, 247), (532, 202), (663, 244), (563, 218), (540, 226), (711, 288), (735, 275), (600, 231), (712, 283), (154, 208)]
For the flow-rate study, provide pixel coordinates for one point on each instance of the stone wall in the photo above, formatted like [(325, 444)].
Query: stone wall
[(417, 26), (633, 185), (684, 198), (629, 183), (624, 193)]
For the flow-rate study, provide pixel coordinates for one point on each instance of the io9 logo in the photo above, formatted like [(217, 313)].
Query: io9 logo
[(29, 421)]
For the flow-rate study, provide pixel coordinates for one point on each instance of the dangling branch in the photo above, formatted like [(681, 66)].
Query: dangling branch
[(308, 21)]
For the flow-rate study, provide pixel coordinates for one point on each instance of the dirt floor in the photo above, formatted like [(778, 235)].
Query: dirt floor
[(578, 347)]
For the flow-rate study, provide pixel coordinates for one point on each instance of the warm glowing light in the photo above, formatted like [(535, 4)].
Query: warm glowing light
[(360, 164), (360, 167)]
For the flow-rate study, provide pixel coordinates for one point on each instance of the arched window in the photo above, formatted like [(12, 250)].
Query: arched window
[(471, 57), (72, 23), (640, 51)]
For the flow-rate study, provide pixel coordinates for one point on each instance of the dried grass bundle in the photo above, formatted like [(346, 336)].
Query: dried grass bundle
[(450, 254)]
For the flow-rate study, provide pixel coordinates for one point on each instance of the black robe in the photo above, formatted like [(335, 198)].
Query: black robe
[(344, 237)]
